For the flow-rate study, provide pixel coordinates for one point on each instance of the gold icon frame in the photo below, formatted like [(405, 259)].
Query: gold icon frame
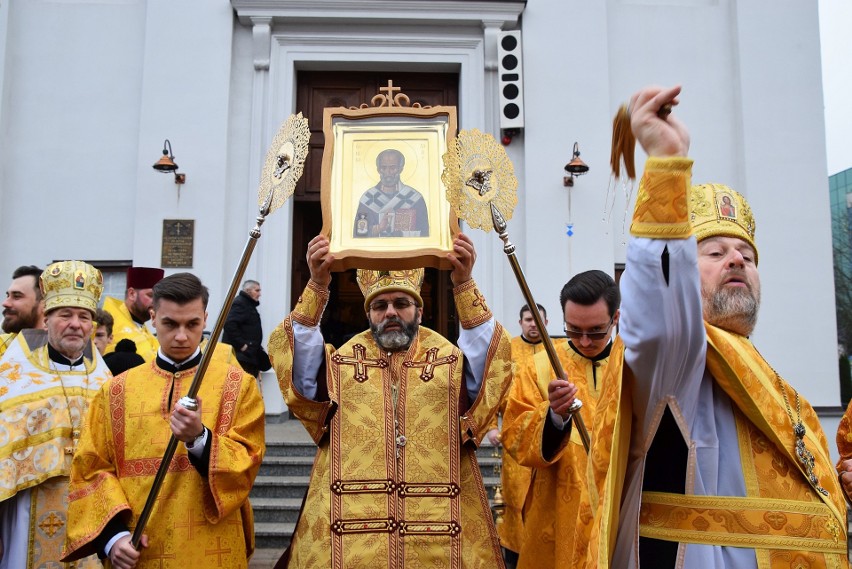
[(353, 139)]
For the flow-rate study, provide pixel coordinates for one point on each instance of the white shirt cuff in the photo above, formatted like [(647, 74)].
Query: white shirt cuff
[(197, 448), (116, 537)]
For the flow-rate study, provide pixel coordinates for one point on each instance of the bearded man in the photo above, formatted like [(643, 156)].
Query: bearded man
[(23, 307), (130, 315), (397, 413), (703, 456)]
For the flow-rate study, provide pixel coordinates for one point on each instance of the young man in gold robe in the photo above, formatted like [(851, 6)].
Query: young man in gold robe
[(47, 378), (203, 517), (535, 426), (397, 413), (703, 457), (514, 478)]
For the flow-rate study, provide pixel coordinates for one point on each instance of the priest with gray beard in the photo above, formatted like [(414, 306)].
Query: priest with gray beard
[(397, 413)]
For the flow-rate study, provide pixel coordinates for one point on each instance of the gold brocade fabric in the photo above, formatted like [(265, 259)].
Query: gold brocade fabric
[(844, 436), (767, 443), (393, 484), (735, 521), (40, 409), (5, 340), (125, 327), (49, 507), (471, 305), (514, 478), (552, 503), (661, 204), (197, 521)]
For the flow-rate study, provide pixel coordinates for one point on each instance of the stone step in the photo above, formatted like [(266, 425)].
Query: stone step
[(272, 535), (289, 465), (290, 448), (279, 487), (276, 510), (265, 558)]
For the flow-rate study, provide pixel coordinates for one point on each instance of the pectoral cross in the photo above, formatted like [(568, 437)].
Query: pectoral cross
[(806, 458)]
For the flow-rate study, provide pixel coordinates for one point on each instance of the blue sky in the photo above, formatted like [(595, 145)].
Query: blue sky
[(835, 22)]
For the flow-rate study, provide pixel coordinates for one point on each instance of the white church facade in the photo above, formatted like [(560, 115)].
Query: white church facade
[(90, 89)]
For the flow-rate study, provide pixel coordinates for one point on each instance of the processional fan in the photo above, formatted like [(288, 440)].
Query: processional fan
[(482, 188), (284, 164)]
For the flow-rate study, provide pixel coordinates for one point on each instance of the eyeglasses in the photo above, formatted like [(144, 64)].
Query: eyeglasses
[(593, 336), (397, 303)]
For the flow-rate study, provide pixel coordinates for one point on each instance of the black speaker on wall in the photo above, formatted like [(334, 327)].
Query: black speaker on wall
[(511, 80)]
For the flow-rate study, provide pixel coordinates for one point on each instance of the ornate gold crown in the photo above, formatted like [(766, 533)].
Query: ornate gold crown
[(71, 283), (718, 210), (374, 283)]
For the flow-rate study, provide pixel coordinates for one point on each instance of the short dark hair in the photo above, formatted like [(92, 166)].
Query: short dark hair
[(105, 319), (30, 271), (589, 287), (526, 308), (181, 288), (393, 151)]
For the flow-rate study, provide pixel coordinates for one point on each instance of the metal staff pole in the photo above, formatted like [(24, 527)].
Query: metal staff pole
[(508, 248), (254, 235)]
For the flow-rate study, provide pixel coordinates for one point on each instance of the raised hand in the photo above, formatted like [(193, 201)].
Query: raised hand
[(462, 258), (319, 261), (661, 134)]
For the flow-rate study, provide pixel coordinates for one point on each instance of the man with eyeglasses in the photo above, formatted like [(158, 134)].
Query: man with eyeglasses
[(704, 457), (536, 428), (397, 413)]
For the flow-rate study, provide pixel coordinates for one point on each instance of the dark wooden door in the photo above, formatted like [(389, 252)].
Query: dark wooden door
[(344, 316)]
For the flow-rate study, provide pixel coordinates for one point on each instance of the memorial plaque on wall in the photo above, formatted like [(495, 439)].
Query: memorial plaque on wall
[(178, 237)]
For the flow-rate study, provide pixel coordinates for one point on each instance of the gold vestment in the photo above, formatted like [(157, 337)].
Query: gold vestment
[(552, 505), (42, 411), (783, 517), (395, 482), (514, 478), (198, 521), (124, 326)]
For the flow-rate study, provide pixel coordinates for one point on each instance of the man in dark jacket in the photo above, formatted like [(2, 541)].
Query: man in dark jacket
[(243, 330)]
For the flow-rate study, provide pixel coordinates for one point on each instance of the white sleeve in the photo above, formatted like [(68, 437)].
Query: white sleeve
[(474, 344), (308, 355), (662, 327)]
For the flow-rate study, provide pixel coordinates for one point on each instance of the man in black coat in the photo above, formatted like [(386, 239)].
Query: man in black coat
[(243, 330)]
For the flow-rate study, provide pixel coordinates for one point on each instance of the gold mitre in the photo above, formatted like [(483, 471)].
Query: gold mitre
[(71, 283), (717, 210), (374, 283)]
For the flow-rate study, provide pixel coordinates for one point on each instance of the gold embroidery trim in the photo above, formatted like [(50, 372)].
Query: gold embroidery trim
[(382, 525), (363, 487), (310, 305), (429, 528), (425, 490), (740, 522), (471, 305), (662, 202)]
